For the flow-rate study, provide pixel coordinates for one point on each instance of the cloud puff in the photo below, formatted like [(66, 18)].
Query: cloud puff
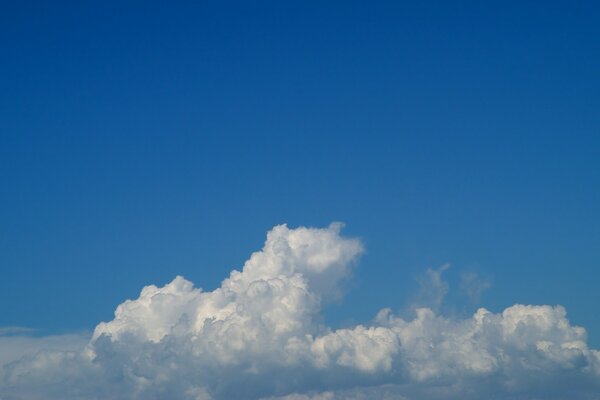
[(259, 335)]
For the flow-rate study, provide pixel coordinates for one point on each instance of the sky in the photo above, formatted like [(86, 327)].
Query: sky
[(457, 143)]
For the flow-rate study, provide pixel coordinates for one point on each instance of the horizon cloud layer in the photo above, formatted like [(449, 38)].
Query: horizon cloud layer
[(260, 336)]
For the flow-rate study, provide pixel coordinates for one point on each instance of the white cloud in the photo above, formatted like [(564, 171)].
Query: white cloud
[(15, 344), (259, 336)]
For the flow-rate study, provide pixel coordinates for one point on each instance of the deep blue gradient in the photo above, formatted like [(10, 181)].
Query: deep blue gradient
[(144, 140)]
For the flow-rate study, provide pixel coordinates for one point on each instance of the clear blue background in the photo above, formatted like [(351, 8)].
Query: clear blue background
[(149, 139)]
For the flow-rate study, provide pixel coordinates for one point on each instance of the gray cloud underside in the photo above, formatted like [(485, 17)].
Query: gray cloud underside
[(258, 336)]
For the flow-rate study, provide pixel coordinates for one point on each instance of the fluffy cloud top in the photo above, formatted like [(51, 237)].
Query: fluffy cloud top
[(259, 336)]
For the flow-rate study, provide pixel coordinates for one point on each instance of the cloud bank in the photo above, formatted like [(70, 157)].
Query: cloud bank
[(260, 336)]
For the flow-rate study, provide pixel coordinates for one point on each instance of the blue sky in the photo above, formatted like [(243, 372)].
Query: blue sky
[(144, 141), (140, 142)]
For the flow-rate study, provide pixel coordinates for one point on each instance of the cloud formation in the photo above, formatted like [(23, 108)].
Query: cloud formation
[(259, 336), (17, 342), (432, 288), (473, 286)]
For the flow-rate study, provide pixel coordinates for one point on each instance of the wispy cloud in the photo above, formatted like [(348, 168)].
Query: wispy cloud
[(15, 330), (473, 286), (432, 288)]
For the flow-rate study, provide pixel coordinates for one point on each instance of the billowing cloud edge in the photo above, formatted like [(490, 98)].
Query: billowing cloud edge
[(259, 335)]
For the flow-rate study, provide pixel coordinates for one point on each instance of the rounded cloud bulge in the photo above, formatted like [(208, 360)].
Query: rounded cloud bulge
[(259, 335)]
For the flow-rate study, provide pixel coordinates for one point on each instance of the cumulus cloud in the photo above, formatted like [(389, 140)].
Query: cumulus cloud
[(259, 336)]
